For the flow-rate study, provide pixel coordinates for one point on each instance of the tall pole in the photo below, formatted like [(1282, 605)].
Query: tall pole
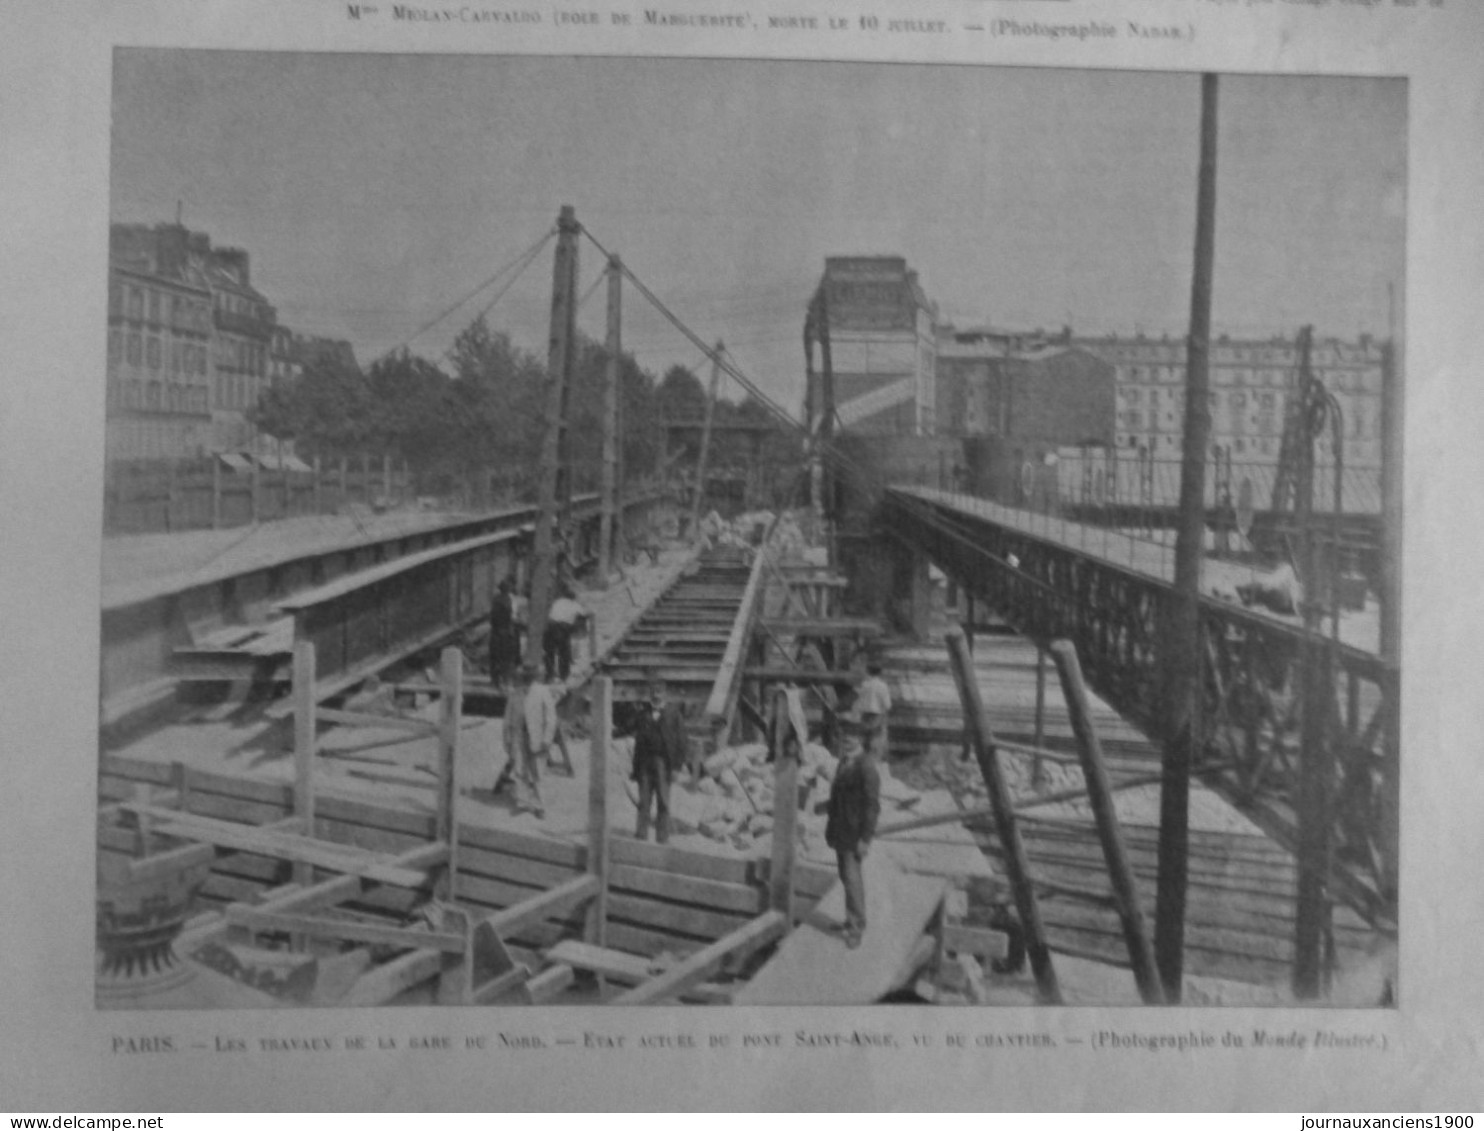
[(558, 373), (1391, 609), (695, 506), (609, 521), (826, 405), (812, 414), (1181, 646)]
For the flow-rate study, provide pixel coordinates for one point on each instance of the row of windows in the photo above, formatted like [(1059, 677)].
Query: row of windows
[(181, 357), (1260, 355), (239, 304), (1344, 380), (157, 439), (156, 396), (145, 304), (234, 391), (1358, 424), (236, 353)]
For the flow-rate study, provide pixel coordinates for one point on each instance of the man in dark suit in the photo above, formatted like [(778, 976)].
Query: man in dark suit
[(504, 644), (855, 805), (659, 751)]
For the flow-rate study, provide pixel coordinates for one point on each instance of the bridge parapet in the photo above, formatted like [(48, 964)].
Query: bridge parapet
[(1257, 675)]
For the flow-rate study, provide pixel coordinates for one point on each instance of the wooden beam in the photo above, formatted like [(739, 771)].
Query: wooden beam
[(785, 811), (304, 747), (385, 934), (547, 984), (1100, 795), (381, 985), (560, 899), (705, 962), (799, 676), (977, 720), (451, 706), (597, 807), (282, 845), (498, 986), (363, 719)]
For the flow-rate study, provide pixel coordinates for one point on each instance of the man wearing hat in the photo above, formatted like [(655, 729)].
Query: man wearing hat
[(530, 728), (854, 806), (873, 702), (659, 751)]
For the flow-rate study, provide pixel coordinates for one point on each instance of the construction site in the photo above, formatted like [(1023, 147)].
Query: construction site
[(302, 751)]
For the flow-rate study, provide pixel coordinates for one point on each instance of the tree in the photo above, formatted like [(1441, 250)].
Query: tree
[(328, 410)]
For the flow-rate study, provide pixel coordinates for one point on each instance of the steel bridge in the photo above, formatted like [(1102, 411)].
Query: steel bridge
[(1298, 729)]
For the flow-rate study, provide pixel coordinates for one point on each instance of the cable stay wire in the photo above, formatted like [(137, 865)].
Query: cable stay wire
[(518, 264)]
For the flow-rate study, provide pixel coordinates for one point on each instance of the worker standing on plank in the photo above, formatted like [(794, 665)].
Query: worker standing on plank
[(873, 703), (855, 805), (530, 728), (561, 622), (660, 748)]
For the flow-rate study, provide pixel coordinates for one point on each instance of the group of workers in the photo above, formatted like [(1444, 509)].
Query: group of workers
[(510, 621), (661, 748)]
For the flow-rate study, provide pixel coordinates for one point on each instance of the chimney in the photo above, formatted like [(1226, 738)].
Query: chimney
[(234, 260), (172, 244)]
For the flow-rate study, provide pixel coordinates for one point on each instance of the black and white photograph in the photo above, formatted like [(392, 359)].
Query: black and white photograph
[(585, 531)]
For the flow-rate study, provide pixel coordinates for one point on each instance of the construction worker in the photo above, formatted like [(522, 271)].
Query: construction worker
[(660, 749), (854, 806), (504, 643), (873, 704), (530, 728), (556, 642)]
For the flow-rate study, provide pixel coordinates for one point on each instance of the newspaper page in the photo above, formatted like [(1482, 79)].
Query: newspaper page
[(371, 743)]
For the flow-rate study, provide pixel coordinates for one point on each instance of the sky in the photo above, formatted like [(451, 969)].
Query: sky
[(375, 191)]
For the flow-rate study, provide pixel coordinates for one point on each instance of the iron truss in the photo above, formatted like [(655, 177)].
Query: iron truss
[(1256, 748)]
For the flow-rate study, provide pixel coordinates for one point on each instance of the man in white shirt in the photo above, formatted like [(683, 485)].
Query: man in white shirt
[(561, 622)]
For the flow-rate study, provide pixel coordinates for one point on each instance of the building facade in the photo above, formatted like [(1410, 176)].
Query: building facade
[(192, 346), (882, 331), (160, 332), (1251, 382)]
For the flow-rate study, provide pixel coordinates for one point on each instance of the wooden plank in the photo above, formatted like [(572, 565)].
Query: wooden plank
[(381, 985), (173, 860), (813, 966), (977, 941), (422, 727), (705, 962), (544, 906), (1110, 832), (723, 689), (550, 983), (498, 986), (257, 919), (616, 964), (285, 846), (977, 722)]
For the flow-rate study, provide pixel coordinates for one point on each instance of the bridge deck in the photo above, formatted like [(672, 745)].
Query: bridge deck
[(1150, 554)]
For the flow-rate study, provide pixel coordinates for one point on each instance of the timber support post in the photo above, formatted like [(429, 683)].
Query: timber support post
[(554, 488), (595, 929), (451, 709), (612, 512), (785, 811), (1016, 861), (1180, 646), (1100, 794), (305, 737)]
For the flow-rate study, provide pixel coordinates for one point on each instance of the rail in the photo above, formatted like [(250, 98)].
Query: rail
[(721, 707)]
